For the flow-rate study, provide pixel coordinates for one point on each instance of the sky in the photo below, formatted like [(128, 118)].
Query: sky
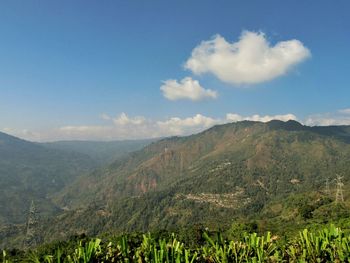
[(113, 70)]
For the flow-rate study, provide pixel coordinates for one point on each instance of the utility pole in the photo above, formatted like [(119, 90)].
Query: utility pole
[(339, 193), (31, 238)]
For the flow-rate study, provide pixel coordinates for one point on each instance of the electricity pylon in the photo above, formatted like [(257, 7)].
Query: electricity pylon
[(339, 193), (31, 238)]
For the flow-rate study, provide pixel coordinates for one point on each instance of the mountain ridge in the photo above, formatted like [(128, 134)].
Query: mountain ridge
[(35, 171), (225, 174), (248, 164)]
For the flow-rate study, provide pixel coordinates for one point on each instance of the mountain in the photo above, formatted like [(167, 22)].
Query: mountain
[(29, 171), (238, 147), (260, 176), (35, 171), (102, 152), (269, 172)]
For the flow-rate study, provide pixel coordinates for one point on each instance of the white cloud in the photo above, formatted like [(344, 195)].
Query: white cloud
[(125, 127), (236, 117), (178, 126), (105, 116), (341, 117), (187, 88), (344, 111), (248, 61), (123, 119), (138, 127)]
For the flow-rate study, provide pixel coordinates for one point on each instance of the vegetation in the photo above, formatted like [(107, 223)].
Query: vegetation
[(29, 171), (327, 245), (247, 176), (37, 171)]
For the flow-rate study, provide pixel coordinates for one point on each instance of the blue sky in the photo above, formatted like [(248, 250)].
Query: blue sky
[(94, 69)]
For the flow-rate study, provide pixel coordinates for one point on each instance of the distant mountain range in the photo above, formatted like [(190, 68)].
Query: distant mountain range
[(34, 171), (271, 173), (103, 152)]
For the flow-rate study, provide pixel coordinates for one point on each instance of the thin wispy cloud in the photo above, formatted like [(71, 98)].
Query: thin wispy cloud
[(124, 120), (340, 117), (234, 117), (250, 60), (344, 111), (186, 88), (190, 125), (139, 127)]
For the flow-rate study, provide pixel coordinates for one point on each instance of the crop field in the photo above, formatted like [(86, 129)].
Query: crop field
[(327, 245)]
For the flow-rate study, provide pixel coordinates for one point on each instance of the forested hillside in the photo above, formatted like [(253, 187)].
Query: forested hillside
[(29, 171), (267, 173), (240, 176), (32, 171)]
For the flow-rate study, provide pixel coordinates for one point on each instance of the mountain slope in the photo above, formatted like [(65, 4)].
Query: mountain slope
[(29, 171), (271, 173), (229, 171), (253, 147)]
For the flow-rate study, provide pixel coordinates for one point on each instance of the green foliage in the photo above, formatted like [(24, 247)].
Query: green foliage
[(328, 245), (252, 249)]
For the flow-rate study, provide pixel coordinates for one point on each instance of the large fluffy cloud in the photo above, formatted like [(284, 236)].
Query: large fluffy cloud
[(249, 60), (187, 88)]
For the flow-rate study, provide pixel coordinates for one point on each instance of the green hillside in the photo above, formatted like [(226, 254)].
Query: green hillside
[(29, 171), (36, 171), (221, 159), (242, 176), (272, 174)]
